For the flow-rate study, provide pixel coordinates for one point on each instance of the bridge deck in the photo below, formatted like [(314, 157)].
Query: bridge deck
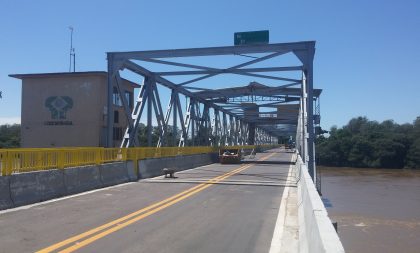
[(235, 212)]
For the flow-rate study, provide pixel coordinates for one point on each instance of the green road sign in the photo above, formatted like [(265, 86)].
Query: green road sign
[(255, 37)]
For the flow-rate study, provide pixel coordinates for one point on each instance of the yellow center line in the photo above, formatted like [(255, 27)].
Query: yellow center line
[(140, 214), (97, 229)]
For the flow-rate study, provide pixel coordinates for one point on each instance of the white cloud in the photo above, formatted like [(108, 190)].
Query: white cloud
[(9, 120)]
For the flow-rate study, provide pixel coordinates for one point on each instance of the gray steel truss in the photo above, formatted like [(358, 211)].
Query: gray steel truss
[(238, 115)]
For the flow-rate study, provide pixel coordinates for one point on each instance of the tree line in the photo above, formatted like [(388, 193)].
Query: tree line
[(10, 136), (360, 143), (369, 144)]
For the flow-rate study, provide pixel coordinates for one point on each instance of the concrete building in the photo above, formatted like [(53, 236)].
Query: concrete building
[(70, 109)]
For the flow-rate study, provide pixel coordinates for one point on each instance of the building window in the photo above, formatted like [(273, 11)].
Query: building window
[(116, 97), (116, 117), (117, 133), (129, 98)]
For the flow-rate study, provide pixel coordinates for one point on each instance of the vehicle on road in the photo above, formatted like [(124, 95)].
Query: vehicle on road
[(229, 156)]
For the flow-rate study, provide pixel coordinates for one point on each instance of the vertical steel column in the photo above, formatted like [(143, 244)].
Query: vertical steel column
[(244, 133), (251, 133), (216, 128), (310, 122), (205, 127), (187, 122), (262, 136), (110, 113), (225, 131), (159, 116), (257, 134), (239, 131), (165, 140), (304, 121), (184, 131), (149, 111), (213, 130), (207, 124), (174, 118), (194, 121), (198, 122), (236, 132), (299, 129)]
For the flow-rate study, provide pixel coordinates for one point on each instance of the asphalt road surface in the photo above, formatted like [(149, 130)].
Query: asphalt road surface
[(214, 208)]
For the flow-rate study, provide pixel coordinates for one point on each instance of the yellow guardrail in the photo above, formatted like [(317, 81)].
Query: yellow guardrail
[(34, 159)]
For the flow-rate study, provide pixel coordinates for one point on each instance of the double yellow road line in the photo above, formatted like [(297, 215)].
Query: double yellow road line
[(76, 242)]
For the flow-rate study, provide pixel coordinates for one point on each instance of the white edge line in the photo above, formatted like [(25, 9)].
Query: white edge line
[(281, 217)]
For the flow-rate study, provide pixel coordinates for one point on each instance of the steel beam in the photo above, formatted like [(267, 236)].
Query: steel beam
[(224, 71), (229, 50)]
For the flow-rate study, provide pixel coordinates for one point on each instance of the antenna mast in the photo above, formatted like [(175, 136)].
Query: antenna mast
[(72, 51)]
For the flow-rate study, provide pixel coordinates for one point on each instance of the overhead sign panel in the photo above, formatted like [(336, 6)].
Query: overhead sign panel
[(250, 38)]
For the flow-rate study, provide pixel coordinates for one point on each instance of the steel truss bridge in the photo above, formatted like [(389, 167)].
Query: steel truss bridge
[(279, 102)]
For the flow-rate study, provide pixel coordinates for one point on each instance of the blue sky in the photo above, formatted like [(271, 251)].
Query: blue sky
[(367, 58)]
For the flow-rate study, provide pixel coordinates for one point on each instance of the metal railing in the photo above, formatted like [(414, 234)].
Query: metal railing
[(35, 159)]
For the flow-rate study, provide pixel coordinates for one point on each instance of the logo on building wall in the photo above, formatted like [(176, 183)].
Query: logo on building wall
[(58, 106)]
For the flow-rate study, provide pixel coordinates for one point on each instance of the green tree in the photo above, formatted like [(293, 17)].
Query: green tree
[(10, 136), (365, 143), (142, 135), (413, 155)]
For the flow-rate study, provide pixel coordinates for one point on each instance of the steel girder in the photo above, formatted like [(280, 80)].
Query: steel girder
[(213, 117)]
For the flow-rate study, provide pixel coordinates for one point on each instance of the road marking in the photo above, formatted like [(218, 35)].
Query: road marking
[(281, 217), (122, 222), (98, 229)]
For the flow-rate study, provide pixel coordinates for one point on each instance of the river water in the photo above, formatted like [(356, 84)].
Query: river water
[(377, 210)]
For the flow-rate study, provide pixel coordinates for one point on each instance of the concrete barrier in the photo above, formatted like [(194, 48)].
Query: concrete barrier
[(23, 188), (132, 171), (32, 187), (5, 200), (113, 173), (153, 167), (80, 179), (50, 184), (316, 232)]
